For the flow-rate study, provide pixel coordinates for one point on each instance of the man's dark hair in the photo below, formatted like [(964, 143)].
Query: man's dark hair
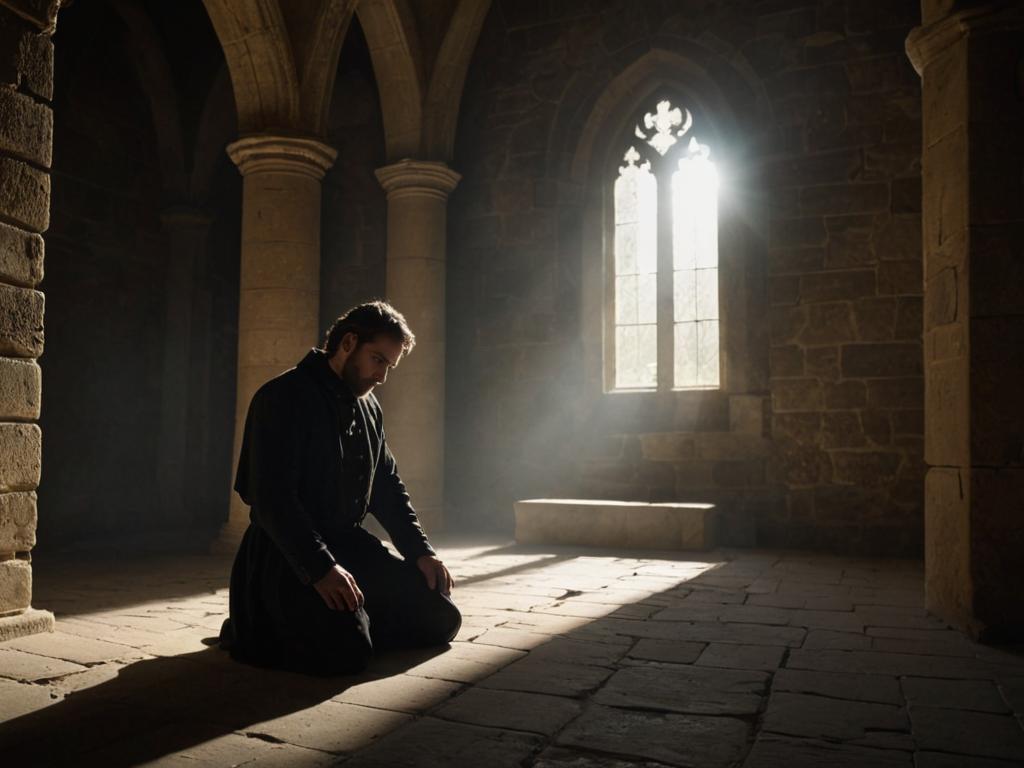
[(367, 321)]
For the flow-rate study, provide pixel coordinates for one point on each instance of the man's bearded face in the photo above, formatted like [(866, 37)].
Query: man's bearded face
[(369, 364)]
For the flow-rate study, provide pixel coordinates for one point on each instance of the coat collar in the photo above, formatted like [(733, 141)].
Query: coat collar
[(315, 363)]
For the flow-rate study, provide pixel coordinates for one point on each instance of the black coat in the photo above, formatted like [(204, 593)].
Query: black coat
[(292, 472)]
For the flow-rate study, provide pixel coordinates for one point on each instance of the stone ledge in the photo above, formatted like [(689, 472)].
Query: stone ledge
[(597, 523), (31, 622)]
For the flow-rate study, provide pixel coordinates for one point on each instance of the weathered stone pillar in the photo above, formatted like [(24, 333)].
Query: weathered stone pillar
[(417, 193), (26, 141), (279, 291), (186, 230), (969, 59)]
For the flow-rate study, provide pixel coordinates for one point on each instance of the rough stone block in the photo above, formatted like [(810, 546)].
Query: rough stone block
[(797, 233), (15, 586), (20, 389), (801, 427), (830, 323), (839, 199), (786, 361), (875, 318), (822, 363), (26, 127), (845, 394), (17, 522), (746, 414), (837, 286), (947, 403), (796, 395), (901, 278), (881, 360), (615, 524), (24, 194), (667, 446), (20, 456), (730, 446), (865, 468), (21, 256), (842, 429), (26, 56), (21, 322)]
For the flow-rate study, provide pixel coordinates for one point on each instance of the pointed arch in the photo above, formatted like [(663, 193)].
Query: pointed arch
[(154, 73), (656, 69), (397, 64), (259, 56), (441, 113), (320, 65)]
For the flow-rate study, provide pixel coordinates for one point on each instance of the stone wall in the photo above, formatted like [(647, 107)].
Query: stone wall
[(110, 254), (26, 139), (819, 447)]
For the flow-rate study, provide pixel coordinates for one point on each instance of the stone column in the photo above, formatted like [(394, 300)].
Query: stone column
[(417, 193), (969, 59), (186, 230), (279, 291), (26, 141)]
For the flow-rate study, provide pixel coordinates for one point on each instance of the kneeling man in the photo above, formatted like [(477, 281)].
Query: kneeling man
[(311, 589)]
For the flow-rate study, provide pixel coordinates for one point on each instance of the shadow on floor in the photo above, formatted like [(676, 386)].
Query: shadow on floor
[(176, 703)]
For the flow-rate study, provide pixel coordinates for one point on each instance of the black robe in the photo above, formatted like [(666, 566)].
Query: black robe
[(314, 462)]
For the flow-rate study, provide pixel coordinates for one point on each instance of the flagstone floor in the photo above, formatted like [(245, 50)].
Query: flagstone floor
[(567, 658)]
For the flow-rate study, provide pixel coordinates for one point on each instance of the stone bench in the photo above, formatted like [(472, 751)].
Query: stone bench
[(630, 524)]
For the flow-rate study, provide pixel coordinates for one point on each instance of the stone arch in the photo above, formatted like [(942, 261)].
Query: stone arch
[(656, 69), (217, 127), (320, 65), (397, 64), (441, 113), (259, 56), (154, 74)]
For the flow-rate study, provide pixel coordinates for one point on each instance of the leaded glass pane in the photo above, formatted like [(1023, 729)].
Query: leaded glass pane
[(685, 354), (636, 356), (647, 298), (707, 293), (707, 353), (684, 298), (625, 249), (626, 300)]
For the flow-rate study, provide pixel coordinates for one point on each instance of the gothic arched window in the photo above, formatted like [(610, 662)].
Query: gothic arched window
[(663, 329)]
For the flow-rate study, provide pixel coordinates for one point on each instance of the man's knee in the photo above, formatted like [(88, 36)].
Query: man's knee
[(447, 622)]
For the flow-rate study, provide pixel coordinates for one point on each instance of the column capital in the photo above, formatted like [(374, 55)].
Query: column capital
[(417, 178), (282, 154), (926, 42)]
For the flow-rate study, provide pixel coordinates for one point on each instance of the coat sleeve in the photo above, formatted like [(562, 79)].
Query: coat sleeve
[(268, 480), (390, 504)]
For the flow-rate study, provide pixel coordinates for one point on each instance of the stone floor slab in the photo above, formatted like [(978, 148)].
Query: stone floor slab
[(331, 727), (970, 733), (734, 656), (17, 699), (556, 678), (816, 717), (29, 667), (559, 757), (774, 751), (680, 740), (667, 651), (839, 685), (685, 689), (512, 710), (430, 742), (976, 695), (400, 693)]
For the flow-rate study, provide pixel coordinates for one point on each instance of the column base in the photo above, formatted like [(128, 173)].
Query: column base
[(31, 622)]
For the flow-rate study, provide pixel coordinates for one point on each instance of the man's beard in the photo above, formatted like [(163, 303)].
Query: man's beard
[(350, 375)]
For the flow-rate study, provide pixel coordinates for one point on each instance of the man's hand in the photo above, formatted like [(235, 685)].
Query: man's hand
[(339, 590), (436, 574)]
